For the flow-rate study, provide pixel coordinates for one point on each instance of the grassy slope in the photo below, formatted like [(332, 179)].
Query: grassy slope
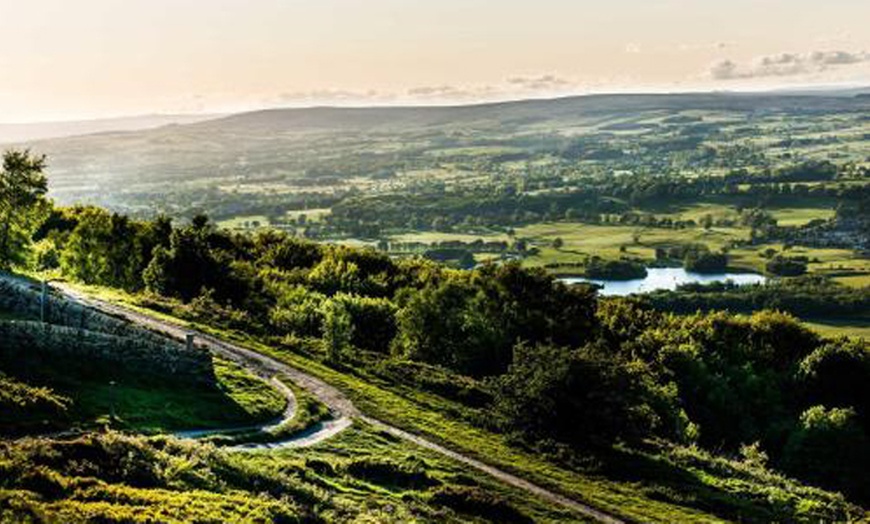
[(237, 398), (714, 496), (359, 476)]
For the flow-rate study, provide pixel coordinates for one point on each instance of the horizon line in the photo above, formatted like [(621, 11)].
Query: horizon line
[(446, 104)]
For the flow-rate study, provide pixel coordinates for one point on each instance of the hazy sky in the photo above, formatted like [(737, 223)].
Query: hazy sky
[(86, 58)]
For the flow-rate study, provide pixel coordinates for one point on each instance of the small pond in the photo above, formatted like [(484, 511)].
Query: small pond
[(666, 278)]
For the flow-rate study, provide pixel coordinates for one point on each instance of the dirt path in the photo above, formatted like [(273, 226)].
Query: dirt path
[(341, 406)]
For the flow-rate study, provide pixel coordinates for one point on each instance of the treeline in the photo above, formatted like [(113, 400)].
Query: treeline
[(806, 296), (500, 203)]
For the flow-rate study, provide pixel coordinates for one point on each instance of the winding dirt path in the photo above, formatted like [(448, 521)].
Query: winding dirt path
[(343, 409), (287, 415)]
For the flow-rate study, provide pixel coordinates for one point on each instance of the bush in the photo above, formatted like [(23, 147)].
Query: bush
[(706, 262), (786, 266), (578, 397), (830, 448), (408, 475), (838, 374), (479, 503), (614, 269)]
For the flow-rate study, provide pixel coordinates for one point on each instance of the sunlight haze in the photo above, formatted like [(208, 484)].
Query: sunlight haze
[(96, 58)]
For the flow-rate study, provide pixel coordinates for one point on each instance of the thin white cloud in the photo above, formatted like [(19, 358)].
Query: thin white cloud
[(330, 95), (514, 87), (540, 83), (546, 84), (787, 64)]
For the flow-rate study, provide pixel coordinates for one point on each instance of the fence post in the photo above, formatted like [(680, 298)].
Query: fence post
[(42, 299)]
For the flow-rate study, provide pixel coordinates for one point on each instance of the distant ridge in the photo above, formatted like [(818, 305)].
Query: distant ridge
[(18, 133), (373, 117), (327, 117)]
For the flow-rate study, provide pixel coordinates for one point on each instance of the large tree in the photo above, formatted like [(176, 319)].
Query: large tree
[(23, 186)]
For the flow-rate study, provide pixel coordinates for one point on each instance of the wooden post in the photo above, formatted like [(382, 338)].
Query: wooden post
[(112, 399), (189, 340), (42, 300)]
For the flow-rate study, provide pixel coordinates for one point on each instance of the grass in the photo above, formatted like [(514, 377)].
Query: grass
[(785, 215), (800, 216), (615, 241), (373, 464), (431, 237), (236, 398), (842, 265), (852, 327), (361, 475), (309, 411), (315, 215), (245, 222)]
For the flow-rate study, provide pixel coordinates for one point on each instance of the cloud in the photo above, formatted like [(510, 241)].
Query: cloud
[(331, 95), (546, 84), (513, 87), (715, 46), (539, 83), (442, 90), (787, 64)]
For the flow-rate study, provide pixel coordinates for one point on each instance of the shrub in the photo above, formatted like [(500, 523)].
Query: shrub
[(479, 503), (408, 475), (829, 448)]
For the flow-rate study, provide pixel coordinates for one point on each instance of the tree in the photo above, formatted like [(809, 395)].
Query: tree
[(337, 329), (23, 186), (558, 243), (106, 249), (578, 397), (787, 266)]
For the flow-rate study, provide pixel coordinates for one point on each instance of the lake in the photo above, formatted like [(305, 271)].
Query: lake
[(665, 278)]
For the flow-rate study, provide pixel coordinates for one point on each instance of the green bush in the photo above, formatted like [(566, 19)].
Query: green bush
[(479, 503), (829, 448)]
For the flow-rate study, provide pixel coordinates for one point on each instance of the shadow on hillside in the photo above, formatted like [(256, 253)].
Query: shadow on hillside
[(140, 401), (658, 479)]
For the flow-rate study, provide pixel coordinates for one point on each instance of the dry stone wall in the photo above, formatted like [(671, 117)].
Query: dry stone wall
[(87, 335)]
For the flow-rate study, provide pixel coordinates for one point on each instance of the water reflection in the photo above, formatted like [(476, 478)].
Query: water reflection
[(666, 278)]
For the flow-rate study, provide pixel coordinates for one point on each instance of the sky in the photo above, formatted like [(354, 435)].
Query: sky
[(63, 59)]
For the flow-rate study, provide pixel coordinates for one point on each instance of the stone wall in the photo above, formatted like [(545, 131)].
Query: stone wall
[(169, 361), (24, 297), (73, 331)]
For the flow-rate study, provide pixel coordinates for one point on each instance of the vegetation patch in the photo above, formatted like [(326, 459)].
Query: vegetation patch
[(410, 474), (478, 503)]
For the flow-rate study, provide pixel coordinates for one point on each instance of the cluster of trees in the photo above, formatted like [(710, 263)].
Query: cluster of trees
[(22, 203), (787, 266), (622, 269), (805, 296), (695, 257), (764, 379), (589, 199)]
